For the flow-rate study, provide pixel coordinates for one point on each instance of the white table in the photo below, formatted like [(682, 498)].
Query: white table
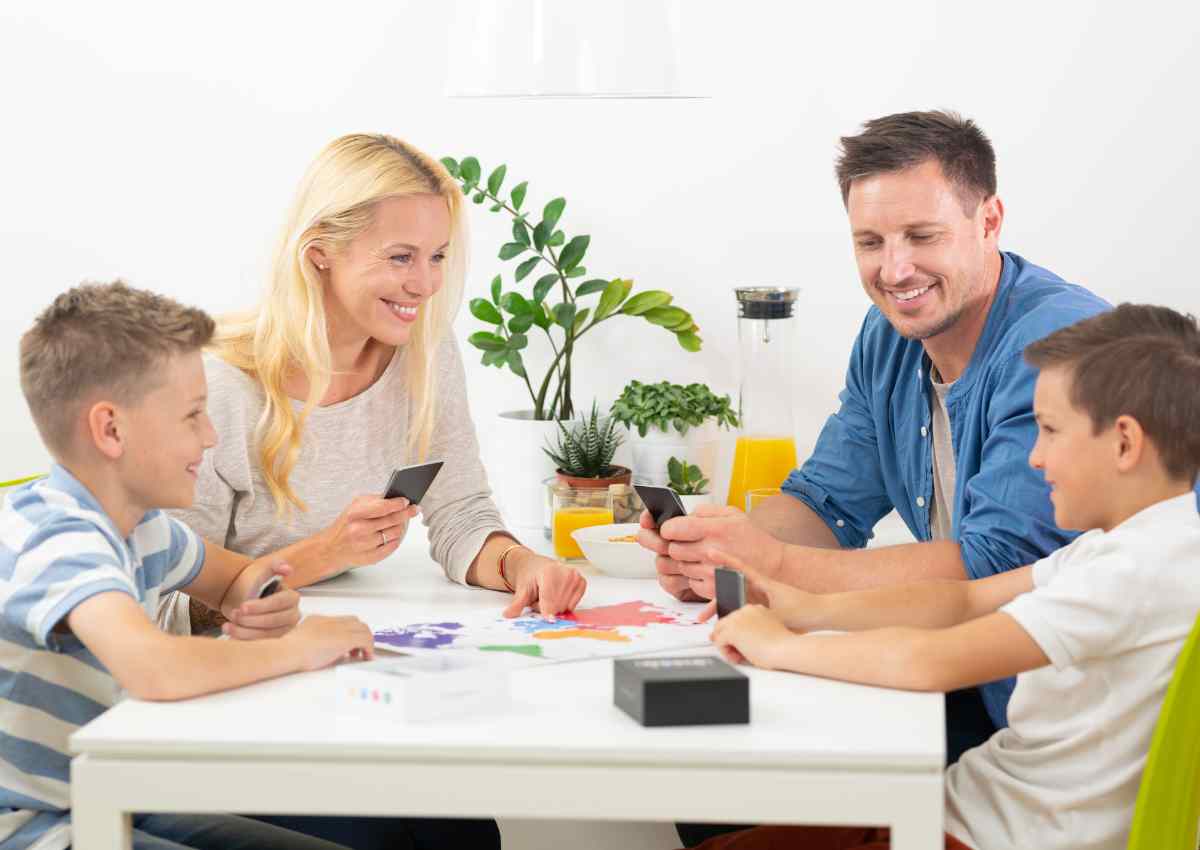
[(816, 751)]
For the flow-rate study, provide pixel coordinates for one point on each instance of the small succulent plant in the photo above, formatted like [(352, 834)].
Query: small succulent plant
[(586, 449), (686, 478)]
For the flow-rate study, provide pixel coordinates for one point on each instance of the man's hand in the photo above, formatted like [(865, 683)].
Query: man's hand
[(750, 634), (688, 548), (548, 586), (274, 616)]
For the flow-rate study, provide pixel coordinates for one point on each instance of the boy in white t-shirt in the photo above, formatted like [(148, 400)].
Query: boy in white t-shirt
[(114, 381), (1092, 631)]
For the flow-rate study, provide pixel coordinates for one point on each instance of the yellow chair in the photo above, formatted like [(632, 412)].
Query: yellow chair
[(1168, 803)]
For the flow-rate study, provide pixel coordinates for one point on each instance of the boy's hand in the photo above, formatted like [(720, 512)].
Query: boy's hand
[(750, 634), (790, 605), (274, 616), (367, 531), (322, 641), (548, 586)]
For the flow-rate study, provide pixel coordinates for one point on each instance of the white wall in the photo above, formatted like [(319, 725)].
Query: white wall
[(161, 145)]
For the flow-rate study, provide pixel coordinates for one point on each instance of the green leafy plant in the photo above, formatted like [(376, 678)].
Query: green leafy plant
[(587, 449), (686, 479), (540, 245), (668, 405)]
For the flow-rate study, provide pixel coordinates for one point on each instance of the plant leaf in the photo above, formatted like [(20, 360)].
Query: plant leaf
[(511, 249), (496, 284), (580, 318), (543, 286), (615, 292), (495, 208), (552, 213), (526, 267), (451, 165), (594, 285), (517, 341), (494, 358), (539, 237), (518, 195), (556, 239), (564, 315), (469, 169), (520, 324), (515, 303), (496, 178), (479, 198), (571, 255), (487, 341), (689, 341), (521, 232), (578, 271), (666, 316), (483, 310), (644, 301), (540, 317), (515, 362)]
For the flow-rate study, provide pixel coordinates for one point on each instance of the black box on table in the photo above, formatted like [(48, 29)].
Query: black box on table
[(681, 691)]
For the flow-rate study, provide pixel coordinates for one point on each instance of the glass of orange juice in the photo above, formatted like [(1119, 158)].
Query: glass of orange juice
[(759, 494), (577, 508)]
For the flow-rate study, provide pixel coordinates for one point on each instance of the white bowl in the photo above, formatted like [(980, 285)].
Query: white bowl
[(620, 560)]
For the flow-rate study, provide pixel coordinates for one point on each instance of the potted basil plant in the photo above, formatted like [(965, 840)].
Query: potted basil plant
[(668, 420)]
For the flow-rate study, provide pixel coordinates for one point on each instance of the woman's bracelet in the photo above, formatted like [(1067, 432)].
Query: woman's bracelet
[(500, 565)]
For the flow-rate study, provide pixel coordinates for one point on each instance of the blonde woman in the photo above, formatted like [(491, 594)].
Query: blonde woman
[(346, 370)]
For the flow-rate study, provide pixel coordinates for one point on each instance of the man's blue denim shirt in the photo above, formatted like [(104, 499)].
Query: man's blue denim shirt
[(875, 453)]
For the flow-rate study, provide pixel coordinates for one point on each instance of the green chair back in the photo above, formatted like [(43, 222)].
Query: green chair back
[(1168, 803)]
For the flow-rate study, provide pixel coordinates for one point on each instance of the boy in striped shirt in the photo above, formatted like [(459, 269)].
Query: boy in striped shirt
[(116, 387)]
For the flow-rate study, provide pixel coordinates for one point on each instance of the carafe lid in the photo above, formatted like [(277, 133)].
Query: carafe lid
[(765, 302)]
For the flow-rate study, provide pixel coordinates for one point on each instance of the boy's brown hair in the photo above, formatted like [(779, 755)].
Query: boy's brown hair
[(1138, 360), (105, 337)]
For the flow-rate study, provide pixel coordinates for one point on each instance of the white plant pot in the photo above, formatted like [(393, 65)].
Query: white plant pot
[(690, 503), (651, 452), (518, 472)]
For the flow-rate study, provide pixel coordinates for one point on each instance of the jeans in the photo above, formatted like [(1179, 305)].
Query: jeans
[(398, 833), (218, 832)]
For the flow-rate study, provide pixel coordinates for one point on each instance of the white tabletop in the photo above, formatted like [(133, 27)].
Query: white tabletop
[(815, 750)]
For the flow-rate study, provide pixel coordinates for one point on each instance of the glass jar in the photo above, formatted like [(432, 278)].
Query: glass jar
[(575, 508)]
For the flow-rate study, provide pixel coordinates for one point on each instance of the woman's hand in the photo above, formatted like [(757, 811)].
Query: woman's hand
[(368, 530), (550, 587)]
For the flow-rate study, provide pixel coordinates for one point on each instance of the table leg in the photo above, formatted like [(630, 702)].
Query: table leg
[(97, 823)]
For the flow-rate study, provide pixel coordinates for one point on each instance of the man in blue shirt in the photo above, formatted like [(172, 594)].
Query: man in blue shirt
[(936, 418)]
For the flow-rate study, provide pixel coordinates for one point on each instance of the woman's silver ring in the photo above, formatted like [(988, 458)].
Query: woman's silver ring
[(382, 538)]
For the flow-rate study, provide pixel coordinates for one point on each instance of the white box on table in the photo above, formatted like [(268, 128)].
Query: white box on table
[(423, 687)]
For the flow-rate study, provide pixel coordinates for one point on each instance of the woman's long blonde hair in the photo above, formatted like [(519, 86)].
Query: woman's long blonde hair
[(287, 331)]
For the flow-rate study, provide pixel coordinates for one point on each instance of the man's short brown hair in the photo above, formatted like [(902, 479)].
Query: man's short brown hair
[(104, 337), (1138, 360), (908, 139)]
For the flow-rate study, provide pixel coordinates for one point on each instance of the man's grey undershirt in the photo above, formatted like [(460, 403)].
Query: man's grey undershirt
[(941, 515)]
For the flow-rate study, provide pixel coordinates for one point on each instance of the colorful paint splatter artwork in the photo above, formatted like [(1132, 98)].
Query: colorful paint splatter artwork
[(420, 636), (598, 631)]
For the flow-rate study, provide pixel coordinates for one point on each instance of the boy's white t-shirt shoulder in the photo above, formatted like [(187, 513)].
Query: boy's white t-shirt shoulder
[(1111, 611)]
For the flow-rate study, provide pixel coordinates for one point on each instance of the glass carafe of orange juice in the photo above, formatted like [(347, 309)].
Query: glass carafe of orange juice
[(766, 444)]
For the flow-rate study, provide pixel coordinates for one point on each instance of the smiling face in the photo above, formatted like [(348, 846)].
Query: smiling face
[(922, 260), (377, 284), (1079, 465), (165, 436)]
